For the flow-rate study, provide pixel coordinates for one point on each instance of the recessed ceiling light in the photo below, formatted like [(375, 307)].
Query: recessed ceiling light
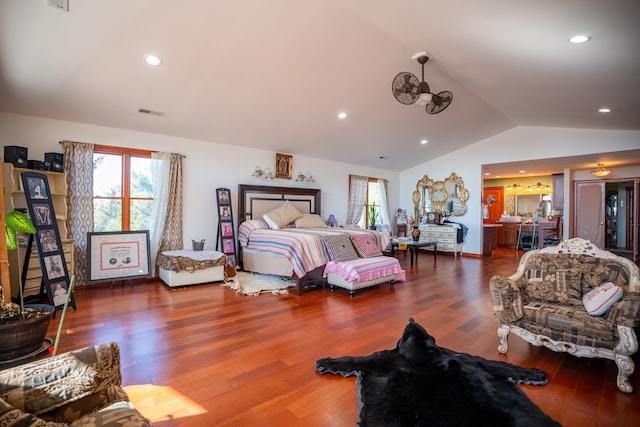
[(487, 173), (523, 171), (342, 115), (604, 110), (152, 60), (579, 39), (424, 141)]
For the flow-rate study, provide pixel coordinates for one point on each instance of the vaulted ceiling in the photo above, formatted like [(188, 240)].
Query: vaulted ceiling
[(275, 74)]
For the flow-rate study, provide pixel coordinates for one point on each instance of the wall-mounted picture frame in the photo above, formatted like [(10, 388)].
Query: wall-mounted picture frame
[(118, 255), (284, 166), (224, 196)]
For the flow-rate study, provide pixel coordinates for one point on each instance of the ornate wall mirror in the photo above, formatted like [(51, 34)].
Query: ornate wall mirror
[(449, 196), (422, 198)]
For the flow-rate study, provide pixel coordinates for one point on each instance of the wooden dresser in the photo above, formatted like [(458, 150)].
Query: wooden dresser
[(446, 235)]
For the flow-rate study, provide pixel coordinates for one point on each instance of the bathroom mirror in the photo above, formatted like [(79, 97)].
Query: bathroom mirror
[(450, 197)]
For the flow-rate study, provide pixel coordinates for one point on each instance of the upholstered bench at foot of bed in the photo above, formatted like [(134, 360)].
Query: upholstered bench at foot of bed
[(363, 273)]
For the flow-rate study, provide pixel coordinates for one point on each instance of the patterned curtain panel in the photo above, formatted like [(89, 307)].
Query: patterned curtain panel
[(357, 198), (78, 162), (171, 237)]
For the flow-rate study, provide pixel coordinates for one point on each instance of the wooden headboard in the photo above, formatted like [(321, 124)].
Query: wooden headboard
[(256, 200)]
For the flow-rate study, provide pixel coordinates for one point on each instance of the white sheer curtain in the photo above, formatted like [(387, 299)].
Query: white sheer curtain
[(357, 198), (384, 202), (160, 170)]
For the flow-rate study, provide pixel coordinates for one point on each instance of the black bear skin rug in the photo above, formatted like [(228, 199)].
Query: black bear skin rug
[(420, 384)]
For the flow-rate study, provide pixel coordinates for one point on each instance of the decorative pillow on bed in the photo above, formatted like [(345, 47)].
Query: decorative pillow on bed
[(599, 300), (365, 245), (310, 221), (340, 247), (280, 217)]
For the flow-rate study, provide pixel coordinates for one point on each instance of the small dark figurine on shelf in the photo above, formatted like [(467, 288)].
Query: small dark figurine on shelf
[(415, 233)]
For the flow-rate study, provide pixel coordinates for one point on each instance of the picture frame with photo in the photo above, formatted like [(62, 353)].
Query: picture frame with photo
[(228, 246), (225, 213), (54, 267), (55, 275), (227, 229), (231, 261), (42, 214), (48, 241), (224, 196), (59, 292), (284, 166), (36, 188)]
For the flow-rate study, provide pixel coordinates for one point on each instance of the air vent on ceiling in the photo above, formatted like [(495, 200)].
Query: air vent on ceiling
[(59, 4), (151, 112)]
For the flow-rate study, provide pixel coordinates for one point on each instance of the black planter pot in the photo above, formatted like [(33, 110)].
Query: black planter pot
[(25, 336)]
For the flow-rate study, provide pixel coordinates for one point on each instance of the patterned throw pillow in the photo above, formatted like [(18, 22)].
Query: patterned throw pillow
[(340, 247), (365, 245), (561, 285)]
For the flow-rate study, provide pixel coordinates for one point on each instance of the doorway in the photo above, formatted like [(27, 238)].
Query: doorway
[(605, 214)]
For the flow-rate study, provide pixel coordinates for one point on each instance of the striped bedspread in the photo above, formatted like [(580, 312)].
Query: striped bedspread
[(303, 247)]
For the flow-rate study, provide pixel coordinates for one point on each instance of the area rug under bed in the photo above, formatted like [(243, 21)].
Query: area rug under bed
[(246, 283)]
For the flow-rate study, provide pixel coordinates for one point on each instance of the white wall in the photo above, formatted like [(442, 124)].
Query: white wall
[(207, 166), (518, 144), (210, 165)]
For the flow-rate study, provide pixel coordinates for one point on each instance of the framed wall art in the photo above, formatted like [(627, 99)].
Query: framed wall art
[(118, 255), (284, 166)]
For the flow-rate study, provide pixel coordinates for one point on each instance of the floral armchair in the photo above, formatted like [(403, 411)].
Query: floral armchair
[(544, 303), (78, 388)]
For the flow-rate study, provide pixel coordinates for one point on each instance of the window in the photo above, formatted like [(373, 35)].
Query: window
[(373, 200), (122, 189)]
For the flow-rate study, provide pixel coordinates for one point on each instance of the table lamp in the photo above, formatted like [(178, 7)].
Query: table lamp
[(332, 220)]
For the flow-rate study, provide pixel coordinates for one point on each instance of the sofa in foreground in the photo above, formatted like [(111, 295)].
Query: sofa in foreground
[(78, 388), (572, 297)]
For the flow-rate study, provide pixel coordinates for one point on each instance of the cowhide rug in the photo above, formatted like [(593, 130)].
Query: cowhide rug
[(420, 384)]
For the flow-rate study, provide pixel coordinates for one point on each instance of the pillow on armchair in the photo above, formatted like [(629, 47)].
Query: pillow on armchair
[(599, 300)]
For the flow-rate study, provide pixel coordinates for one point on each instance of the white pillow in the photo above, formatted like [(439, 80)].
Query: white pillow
[(285, 214), (598, 300), (310, 221)]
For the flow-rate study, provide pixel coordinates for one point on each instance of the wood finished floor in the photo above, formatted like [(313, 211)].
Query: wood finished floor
[(205, 356)]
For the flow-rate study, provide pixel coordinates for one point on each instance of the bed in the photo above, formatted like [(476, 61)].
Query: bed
[(184, 267), (296, 252)]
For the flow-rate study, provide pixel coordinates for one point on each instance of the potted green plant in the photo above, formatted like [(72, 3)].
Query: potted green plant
[(372, 214), (22, 327)]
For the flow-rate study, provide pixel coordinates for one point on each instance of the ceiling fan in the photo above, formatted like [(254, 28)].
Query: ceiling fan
[(407, 90)]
